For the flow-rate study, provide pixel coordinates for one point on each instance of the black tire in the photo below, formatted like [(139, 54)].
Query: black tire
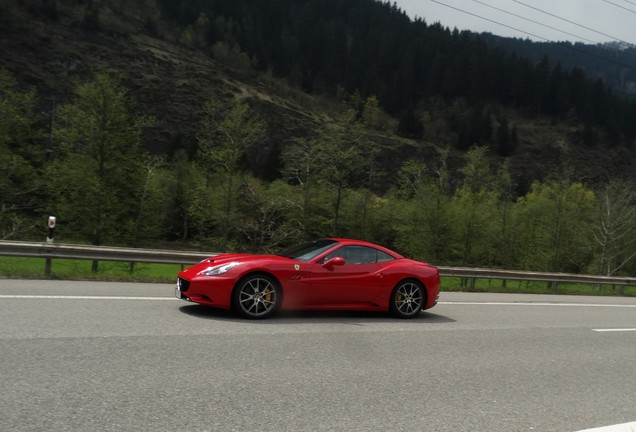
[(256, 296), (407, 299)]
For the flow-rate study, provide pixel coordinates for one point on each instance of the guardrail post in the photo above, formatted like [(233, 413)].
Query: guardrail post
[(555, 287), (47, 267)]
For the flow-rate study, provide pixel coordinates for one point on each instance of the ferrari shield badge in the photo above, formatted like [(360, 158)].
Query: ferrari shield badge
[(297, 267)]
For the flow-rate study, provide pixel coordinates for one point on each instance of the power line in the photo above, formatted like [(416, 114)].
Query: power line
[(535, 22), (619, 6), (571, 22), (630, 2), (492, 21), (567, 45)]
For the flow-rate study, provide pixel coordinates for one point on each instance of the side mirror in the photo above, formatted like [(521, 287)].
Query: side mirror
[(335, 261)]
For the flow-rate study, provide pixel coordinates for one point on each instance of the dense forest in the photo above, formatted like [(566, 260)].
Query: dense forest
[(613, 62), (306, 119), (373, 48)]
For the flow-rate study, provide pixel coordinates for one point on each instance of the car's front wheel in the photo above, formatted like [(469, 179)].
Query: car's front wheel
[(257, 296), (407, 299)]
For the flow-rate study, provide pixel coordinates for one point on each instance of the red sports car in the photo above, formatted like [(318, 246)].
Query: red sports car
[(327, 274)]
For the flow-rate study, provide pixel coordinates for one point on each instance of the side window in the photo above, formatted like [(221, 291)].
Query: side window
[(383, 257), (342, 252), (359, 255), (363, 255)]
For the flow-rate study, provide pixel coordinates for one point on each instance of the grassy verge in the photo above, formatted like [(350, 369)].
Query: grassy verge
[(530, 287), (33, 268)]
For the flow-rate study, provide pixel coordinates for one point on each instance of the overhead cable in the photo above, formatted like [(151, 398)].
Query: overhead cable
[(571, 22), (492, 21), (567, 45), (619, 6), (535, 22)]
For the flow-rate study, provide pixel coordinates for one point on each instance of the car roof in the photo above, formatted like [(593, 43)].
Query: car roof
[(346, 241)]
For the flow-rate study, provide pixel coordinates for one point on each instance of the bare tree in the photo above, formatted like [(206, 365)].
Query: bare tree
[(335, 157), (615, 228)]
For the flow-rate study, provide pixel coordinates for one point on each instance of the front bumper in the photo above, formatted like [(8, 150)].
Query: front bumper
[(213, 291)]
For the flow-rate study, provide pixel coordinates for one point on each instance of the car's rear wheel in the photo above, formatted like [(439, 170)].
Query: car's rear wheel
[(407, 299), (257, 296)]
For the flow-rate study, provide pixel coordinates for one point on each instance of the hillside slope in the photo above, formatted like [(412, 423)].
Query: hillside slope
[(172, 82)]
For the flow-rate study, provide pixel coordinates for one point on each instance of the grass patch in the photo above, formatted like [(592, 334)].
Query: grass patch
[(534, 287), (33, 268)]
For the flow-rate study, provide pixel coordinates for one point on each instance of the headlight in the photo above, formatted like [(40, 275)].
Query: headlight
[(215, 271)]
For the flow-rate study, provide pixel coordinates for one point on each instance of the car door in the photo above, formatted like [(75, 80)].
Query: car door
[(359, 281)]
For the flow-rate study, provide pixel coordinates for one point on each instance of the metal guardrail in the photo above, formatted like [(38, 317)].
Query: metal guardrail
[(470, 276), (51, 251), (479, 273), (99, 253)]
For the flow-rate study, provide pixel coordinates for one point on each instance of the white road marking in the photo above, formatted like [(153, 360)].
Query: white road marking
[(63, 297), (615, 330), (450, 303), (625, 427), (535, 304)]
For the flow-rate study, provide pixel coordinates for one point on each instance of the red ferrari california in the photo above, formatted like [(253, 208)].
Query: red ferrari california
[(327, 274)]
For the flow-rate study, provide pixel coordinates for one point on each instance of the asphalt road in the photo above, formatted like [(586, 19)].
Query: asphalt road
[(85, 356)]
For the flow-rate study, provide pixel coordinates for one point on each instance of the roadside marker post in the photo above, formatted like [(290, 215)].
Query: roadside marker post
[(51, 232), (49, 239)]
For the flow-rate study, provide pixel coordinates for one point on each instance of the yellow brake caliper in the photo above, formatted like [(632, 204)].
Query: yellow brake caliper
[(268, 295)]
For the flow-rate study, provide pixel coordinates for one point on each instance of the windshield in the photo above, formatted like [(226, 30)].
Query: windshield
[(309, 251)]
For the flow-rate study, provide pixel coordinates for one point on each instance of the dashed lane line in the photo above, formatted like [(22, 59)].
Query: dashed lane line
[(536, 304), (63, 297), (625, 427)]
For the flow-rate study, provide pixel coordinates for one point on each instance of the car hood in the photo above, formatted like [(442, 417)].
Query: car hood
[(219, 260)]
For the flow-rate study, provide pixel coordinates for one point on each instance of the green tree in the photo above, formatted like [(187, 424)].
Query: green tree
[(472, 209), (424, 226), (203, 218), (342, 163), (96, 181), (302, 165), (555, 223), (504, 140), (20, 157), (367, 216), (224, 134), (410, 125), (372, 115), (185, 180), (338, 158), (505, 246), (156, 200)]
